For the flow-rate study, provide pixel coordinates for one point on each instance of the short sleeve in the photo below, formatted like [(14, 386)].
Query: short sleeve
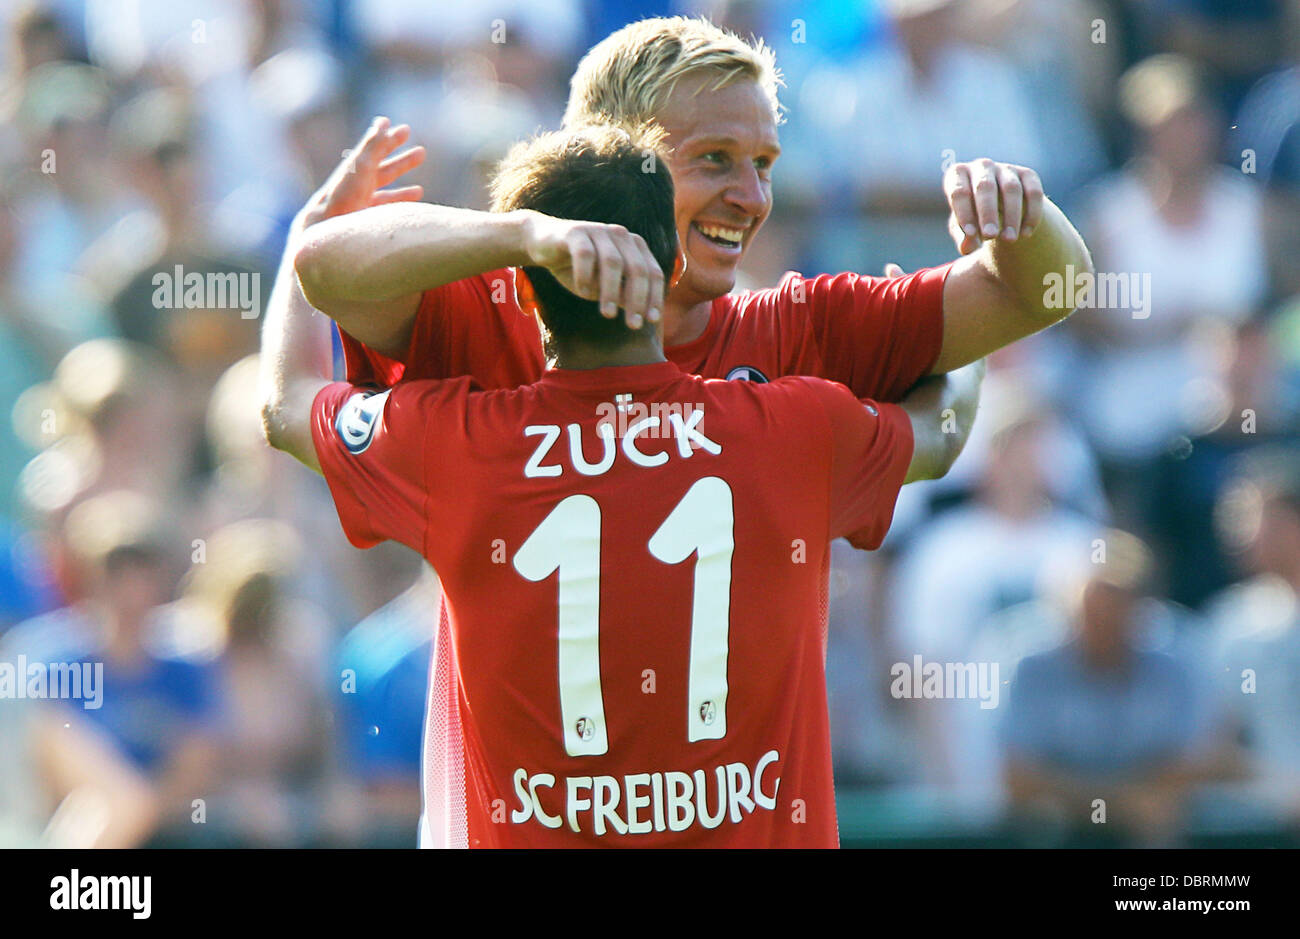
[(877, 335), (470, 327), (372, 447), (364, 366), (871, 448)]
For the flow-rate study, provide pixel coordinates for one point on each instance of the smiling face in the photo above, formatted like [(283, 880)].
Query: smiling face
[(722, 146)]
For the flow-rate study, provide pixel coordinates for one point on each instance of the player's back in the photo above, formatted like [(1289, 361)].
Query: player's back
[(634, 564)]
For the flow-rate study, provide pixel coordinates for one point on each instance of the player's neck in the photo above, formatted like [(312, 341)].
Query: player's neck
[(575, 354), (685, 323)]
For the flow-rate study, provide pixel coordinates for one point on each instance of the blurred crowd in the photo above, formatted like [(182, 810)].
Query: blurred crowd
[(1121, 540)]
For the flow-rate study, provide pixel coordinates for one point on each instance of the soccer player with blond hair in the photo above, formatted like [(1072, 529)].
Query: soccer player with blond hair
[(615, 523), (423, 291)]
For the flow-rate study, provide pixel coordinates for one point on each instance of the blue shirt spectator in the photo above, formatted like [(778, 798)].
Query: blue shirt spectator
[(1066, 714)]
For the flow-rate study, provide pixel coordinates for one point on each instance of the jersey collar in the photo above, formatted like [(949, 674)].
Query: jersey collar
[(615, 378)]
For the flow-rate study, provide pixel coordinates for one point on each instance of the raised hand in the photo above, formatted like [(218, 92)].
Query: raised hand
[(606, 263), (991, 200), (358, 181)]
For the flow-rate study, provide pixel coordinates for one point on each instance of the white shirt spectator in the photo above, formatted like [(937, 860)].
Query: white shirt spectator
[(1211, 272)]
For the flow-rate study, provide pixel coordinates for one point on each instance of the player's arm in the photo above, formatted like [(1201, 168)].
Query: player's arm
[(367, 270), (294, 362), (1013, 239), (295, 338), (357, 183), (942, 411)]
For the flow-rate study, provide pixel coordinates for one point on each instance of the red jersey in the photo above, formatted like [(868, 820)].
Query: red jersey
[(876, 335), (634, 564)]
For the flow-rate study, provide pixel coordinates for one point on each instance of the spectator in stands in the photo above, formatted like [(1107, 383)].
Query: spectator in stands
[(108, 420), (269, 785), (968, 564), (162, 712), (64, 784), (1099, 731), (1242, 409), (1183, 232), (1257, 629), (69, 195), (202, 331), (384, 661)]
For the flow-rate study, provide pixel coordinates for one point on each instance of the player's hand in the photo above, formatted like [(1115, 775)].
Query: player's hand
[(605, 263), (991, 200), (358, 181)]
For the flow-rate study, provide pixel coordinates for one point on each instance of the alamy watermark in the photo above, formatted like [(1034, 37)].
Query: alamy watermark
[(1084, 290), (921, 679), (74, 681), (656, 419), (179, 289)]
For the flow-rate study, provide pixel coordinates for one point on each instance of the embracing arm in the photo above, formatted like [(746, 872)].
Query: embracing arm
[(942, 410), (294, 362), (368, 269), (1014, 239), (295, 355)]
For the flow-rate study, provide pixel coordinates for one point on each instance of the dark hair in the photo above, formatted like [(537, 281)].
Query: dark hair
[(597, 174)]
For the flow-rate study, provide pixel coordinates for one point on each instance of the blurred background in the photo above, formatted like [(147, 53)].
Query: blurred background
[(1121, 538)]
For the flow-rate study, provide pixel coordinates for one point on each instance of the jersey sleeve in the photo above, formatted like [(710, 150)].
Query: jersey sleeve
[(373, 450), (877, 335), (364, 366), (471, 327), (871, 448)]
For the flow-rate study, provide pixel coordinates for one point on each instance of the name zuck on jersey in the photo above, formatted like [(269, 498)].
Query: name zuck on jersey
[(651, 441)]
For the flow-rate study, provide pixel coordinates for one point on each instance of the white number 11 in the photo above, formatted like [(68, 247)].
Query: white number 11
[(568, 540)]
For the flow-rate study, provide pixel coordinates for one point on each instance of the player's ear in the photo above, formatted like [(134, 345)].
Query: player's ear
[(525, 296), (679, 268)]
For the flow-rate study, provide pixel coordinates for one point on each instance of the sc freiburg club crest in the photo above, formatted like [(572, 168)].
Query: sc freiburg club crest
[(746, 373)]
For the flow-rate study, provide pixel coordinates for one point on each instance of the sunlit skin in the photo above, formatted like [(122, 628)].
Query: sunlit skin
[(722, 145)]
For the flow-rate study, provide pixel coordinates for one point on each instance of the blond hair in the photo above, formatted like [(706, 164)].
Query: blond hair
[(627, 76)]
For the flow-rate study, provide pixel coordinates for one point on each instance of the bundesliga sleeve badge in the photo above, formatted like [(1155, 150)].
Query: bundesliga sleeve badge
[(359, 418)]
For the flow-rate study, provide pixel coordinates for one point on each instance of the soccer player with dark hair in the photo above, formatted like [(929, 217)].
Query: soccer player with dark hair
[(420, 291), (633, 558)]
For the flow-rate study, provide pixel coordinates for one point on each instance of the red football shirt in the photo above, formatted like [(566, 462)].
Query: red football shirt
[(877, 335), (634, 563)]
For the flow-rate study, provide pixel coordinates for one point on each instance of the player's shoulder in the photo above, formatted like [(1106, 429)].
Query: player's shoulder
[(798, 396), (791, 294), (372, 400)]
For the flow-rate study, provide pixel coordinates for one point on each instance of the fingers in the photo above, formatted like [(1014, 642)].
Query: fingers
[(615, 268), (399, 165), (992, 200), (1012, 199), (609, 273), (984, 187), (965, 243), (583, 259), (401, 194), (655, 295), (366, 144), (1034, 196), (960, 198), (379, 140), (642, 279)]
